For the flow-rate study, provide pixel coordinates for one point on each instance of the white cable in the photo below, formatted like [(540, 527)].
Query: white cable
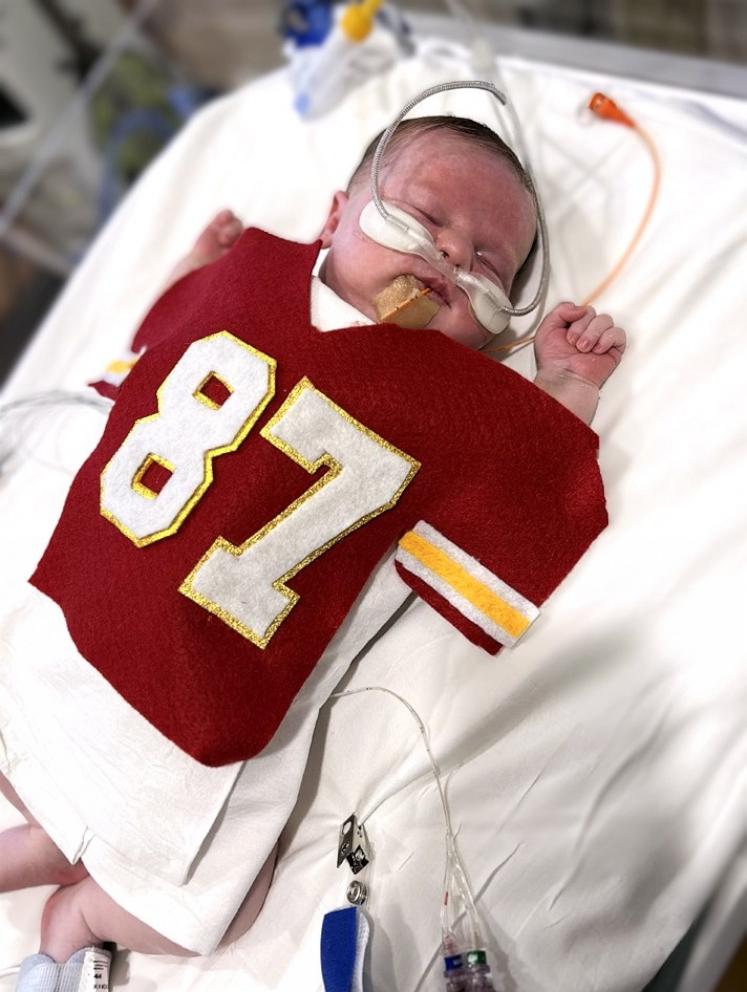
[(7, 972), (486, 67), (54, 397), (454, 867), (378, 158)]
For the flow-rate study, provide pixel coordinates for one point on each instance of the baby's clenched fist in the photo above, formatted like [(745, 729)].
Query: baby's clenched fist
[(578, 340)]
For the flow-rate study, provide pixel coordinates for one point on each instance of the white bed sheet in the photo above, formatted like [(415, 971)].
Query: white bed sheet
[(596, 774)]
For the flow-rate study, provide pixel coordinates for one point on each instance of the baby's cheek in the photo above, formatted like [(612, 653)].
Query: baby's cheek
[(458, 324)]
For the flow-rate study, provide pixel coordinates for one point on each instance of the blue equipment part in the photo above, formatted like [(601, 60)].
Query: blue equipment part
[(343, 947), (306, 22)]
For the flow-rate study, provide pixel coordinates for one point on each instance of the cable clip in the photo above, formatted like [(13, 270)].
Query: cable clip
[(353, 845)]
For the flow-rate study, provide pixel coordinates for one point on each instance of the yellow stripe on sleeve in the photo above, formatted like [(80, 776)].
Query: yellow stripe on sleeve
[(476, 592)]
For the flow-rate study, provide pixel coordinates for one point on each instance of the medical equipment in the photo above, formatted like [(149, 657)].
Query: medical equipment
[(331, 54), (87, 970), (606, 109), (342, 950), (306, 22), (405, 302), (35, 86), (600, 105), (320, 78), (466, 968), (392, 227)]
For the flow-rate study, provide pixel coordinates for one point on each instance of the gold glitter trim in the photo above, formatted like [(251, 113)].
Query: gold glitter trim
[(208, 456), (279, 584), (199, 395), (137, 483)]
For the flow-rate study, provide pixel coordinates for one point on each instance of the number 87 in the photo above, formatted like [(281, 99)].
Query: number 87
[(245, 585)]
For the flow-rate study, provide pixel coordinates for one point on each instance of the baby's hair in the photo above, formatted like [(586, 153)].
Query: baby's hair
[(462, 126)]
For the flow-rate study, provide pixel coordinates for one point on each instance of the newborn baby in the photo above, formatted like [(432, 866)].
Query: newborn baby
[(468, 189)]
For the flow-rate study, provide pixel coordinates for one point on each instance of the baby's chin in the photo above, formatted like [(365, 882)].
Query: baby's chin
[(459, 328)]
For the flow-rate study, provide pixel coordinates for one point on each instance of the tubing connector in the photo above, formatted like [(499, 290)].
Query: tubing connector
[(357, 20), (608, 110)]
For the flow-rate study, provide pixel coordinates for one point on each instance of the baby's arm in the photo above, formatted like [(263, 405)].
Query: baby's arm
[(220, 235), (576, 351), (212, 243)]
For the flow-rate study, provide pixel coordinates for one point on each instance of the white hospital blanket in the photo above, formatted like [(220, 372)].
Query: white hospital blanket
[(596, 773)]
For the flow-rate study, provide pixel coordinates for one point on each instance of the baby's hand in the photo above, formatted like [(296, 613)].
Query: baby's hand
[(578, 340)]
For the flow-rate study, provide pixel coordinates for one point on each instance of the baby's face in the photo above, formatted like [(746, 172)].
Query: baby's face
[(475, 207)]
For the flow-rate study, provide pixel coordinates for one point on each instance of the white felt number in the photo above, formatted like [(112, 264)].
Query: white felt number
[(245, 585), (187, 432)]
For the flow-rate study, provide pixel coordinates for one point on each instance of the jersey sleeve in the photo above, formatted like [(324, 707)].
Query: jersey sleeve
[(507, 533)]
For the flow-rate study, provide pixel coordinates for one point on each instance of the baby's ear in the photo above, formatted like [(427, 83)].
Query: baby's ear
[(336, 210)]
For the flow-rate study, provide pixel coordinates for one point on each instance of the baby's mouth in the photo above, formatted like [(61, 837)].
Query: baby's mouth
[(440, 291)]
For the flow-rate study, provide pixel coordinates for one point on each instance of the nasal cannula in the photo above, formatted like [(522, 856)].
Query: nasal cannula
[(393, 228)]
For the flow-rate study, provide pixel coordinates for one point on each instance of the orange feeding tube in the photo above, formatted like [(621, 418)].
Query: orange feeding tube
[(608, 110)]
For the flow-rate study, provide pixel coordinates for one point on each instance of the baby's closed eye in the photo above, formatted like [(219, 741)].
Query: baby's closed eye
[(489, 263)]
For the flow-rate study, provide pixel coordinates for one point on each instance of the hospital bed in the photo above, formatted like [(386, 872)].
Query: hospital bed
[(595, 774)]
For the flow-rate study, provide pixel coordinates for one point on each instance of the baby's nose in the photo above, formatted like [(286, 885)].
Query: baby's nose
[(455, 247)]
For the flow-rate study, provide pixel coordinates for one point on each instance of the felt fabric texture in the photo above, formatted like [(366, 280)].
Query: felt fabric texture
[(475, 592), (503, 470)]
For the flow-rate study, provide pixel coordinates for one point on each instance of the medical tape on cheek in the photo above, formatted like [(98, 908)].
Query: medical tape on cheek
[(405, 302)]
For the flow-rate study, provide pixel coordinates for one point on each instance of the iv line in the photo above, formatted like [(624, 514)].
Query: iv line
[(453, 867)]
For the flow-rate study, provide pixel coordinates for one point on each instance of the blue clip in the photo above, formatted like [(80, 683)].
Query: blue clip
[(343, 946), (306, 22)]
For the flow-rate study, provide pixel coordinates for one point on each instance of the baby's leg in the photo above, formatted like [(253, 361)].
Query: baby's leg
[(218, 237), (28, 856), (83, 915)]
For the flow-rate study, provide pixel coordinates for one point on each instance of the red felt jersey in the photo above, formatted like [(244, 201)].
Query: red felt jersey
[(253, 473)]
